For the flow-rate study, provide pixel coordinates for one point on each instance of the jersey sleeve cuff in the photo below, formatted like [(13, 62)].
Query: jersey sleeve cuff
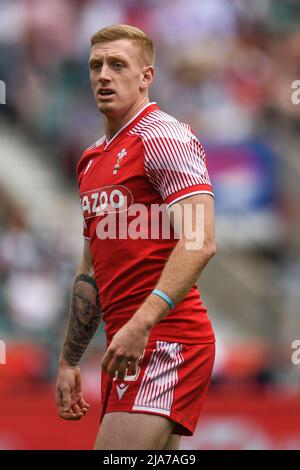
[(186, 192)]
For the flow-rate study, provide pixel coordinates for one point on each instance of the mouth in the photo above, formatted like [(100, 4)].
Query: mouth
[(105, 93)]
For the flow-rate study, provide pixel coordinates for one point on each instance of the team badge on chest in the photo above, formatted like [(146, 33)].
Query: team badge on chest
[(120, 156)]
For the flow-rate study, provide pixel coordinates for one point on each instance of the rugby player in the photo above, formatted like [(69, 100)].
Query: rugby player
[(160, 346)]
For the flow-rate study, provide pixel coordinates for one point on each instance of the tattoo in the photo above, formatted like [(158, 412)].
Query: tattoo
[(84, 319)]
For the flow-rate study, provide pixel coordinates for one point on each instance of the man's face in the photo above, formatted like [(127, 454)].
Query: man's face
[(118, 76)]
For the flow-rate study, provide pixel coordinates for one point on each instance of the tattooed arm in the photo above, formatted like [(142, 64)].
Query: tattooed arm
[(84, 319)]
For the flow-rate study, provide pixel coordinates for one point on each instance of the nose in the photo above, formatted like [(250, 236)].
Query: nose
[(104, 74)]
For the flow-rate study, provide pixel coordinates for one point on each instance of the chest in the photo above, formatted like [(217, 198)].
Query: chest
[(115, 179), (123, 164)]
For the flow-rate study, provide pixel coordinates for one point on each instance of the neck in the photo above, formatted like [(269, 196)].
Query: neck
[(114, 124)]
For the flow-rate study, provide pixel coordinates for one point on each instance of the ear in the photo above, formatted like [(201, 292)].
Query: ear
[(147, 77)]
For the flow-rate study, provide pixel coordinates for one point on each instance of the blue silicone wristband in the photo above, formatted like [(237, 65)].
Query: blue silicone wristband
[(164, 296)]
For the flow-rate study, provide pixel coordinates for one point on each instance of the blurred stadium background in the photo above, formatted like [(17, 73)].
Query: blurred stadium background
[(224, 66)]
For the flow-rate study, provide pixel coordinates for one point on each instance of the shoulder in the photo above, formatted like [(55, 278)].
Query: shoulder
[(98, 143), (88, 154), (160, 125)]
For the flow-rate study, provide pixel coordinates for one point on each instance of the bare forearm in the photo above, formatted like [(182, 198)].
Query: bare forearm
[(183, 269), (178, 276), (84, 319)]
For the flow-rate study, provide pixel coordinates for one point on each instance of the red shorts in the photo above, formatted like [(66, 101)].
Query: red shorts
[(172, 380)]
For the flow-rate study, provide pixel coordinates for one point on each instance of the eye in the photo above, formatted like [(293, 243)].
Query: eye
[(96, 66), (117, 65)]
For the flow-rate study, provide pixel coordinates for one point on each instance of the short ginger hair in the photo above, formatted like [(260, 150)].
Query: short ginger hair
[(124, 31)]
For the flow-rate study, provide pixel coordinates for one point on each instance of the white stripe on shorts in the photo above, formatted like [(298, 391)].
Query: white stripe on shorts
[(160, 378)]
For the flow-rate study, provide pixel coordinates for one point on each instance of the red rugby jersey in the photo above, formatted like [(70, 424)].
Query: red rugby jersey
[(153, 159)]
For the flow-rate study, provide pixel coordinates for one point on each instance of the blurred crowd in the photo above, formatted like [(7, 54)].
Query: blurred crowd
[(224, 66)]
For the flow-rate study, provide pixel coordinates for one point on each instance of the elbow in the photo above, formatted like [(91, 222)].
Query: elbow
[(213, 250), (210, 250)]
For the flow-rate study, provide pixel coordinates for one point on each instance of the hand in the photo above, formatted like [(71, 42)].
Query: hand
[(125, 350), (69, 401)]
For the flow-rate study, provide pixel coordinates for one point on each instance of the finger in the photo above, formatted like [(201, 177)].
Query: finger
[(122, 369), (82, 409), (83, 403), (67, 414), (76, 409), (79, 405), (59, 401), (133, 368), (106, 359), (78, 412), (114, 364), (70, 417), (58, 397)]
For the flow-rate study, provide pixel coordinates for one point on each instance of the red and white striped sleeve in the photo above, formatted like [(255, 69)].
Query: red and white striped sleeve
[(175, 162)]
